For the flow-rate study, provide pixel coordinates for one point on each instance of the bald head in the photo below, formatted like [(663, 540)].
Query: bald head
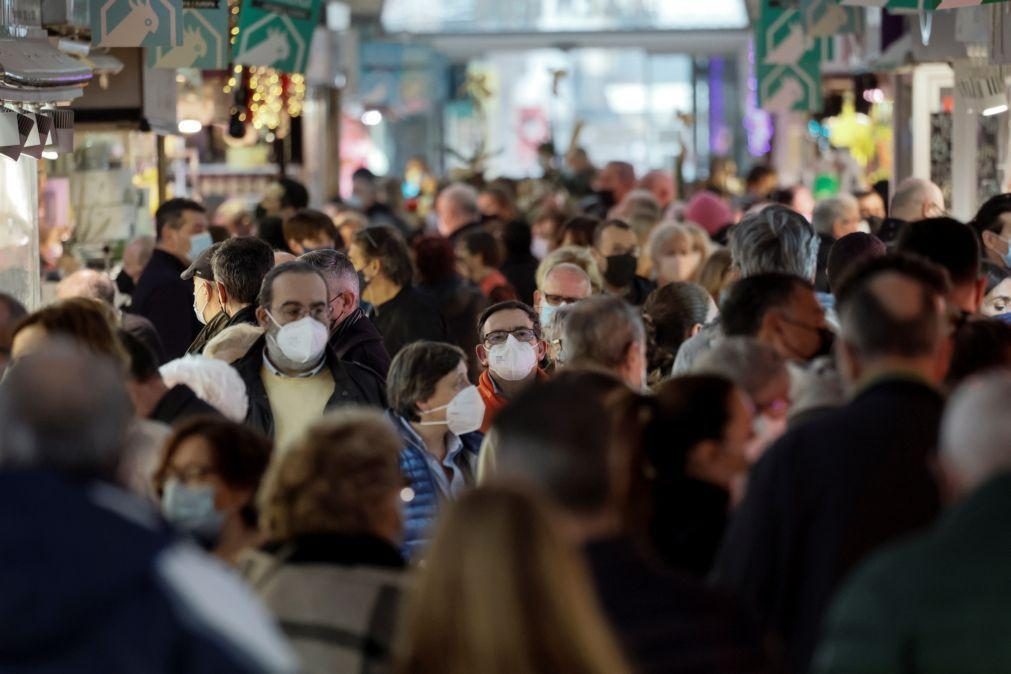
[(564, 283), (661, 184), (87, 283), (917, 199), (976, 429), (892, 307), (64, 409)]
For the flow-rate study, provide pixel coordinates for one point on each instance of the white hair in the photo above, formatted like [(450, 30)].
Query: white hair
[(830, 211), (215, 382), (976, 429), (464, 199)]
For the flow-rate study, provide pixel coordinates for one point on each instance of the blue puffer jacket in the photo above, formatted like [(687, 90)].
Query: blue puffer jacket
[(421, 511)]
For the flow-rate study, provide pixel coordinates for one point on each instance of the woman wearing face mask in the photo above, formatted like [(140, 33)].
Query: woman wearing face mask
[(678, 252), (437, 413), (689, 448), (207, 481)]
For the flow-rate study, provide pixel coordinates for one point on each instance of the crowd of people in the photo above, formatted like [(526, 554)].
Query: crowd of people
[(568, 425)]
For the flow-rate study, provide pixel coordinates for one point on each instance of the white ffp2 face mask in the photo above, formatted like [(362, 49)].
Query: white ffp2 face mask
[(301, 341), (512, 361), (464, 413)]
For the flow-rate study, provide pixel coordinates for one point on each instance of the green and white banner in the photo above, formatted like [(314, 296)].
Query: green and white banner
[(136, 23), (205, 38), (787, 60), (276, 33)]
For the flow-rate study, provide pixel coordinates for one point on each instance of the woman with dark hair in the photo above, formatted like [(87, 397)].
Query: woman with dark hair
[(691, 447), (577, 231), (401, 313), (480, 255), (997, 297), (676, 312), (437, 412), (89, 323), (981, 344), (207, 482), (459, 301)]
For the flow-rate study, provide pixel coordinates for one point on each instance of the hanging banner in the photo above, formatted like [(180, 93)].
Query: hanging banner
[(205, 38), (136, 23), (787, 61), (276, 33)]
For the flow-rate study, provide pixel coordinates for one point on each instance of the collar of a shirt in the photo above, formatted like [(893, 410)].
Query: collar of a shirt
[(305, 375)]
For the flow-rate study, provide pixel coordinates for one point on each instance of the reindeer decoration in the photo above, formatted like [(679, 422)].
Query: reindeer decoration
[(194, 47), (272, 50), (141, 21)]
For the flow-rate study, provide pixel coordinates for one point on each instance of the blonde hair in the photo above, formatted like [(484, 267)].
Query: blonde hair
[(333, 478), (233, 343), (503, 593), (697, 238), (576, 255)]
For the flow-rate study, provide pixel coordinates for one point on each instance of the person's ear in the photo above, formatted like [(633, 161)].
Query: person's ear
[(482, 354), (977, 301), (694, 330), (222, 294), (991, 242), (542, 350), (537, 301), (262, 318)]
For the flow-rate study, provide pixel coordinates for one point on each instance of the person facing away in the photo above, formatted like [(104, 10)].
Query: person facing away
[(616, 249), (291, 375), (457, 212), (97, 285), (607, 334), (952, 245), (538, 616), (353, 337), (437, 413), (776, 239), (240, 266), (510, 351), (691, 451), (565, 439), (834, 489), (937, 602), (401, 313), (330, 570), (207, 480), (161, 295), (915, 199), (107, 586)]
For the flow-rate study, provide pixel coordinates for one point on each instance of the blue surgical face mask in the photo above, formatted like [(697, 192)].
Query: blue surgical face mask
[(1007, 255), (547, 313), (199, 243), (190, 509)]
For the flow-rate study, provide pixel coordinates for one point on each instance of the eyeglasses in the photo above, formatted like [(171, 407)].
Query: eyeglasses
[(295, 312), (500, 336), (189, 474), (557, 300)]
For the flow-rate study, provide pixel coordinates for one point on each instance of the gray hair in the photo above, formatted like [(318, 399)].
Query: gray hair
[(64, 409), (553, 332), (743, 360), (665, 232), (909, 198), (976, 428), (830, 211), (464, 199), (88, 283), (600, 330), (776, 239), (336, 267)]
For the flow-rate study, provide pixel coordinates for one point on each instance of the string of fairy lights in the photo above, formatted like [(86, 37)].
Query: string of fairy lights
[(264, 97)]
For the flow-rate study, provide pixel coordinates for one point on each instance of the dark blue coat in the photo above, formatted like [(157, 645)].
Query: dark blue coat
[(167, 301), (92, 581), (421, 511)]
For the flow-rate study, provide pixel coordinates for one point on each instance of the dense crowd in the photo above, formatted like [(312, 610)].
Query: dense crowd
[(575, 424)]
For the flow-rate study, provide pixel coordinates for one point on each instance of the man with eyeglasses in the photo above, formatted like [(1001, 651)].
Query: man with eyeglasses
[(565, 283), (510, 351), (292, 376)]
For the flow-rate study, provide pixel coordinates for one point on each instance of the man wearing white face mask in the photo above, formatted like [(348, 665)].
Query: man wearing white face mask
[(510, 350), (437, 412), (161, 295), (291, 375)]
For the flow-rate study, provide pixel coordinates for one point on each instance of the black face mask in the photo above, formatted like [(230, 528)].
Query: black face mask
[(620, 269), (827, 343), (605, 198), (259, 213)]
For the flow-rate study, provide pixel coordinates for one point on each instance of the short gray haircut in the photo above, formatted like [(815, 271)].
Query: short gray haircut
[(743, 360), (600, 330), (336, 267), (776, 239), (909, 197), (976, 428), (88, 283), (830, 211), (214, 381), (464, 199), (64, 409)]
